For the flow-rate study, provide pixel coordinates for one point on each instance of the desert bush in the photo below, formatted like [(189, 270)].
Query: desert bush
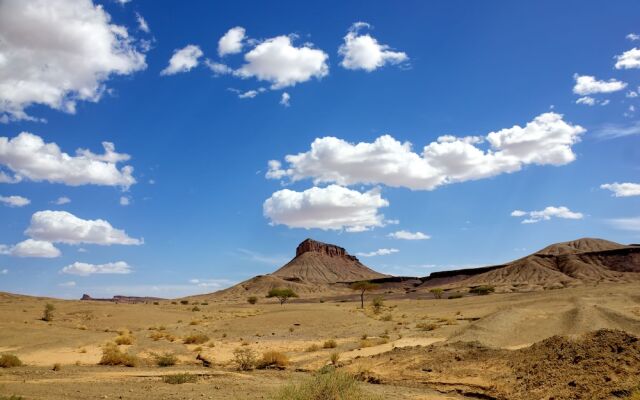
[(455, 296), (196, 338), (166, 360), (195, 322), (124, 340), (195, 309), (111, 355), (56, 367), (184, 302), (332, 384), (252, 299), (482, 290), (174, 302), (330, 344), (12, 397), (204, 303), (372, 342), (47, 314), (334, 358), (155, 336), (178, 379), (244, 358), (282, 294), (437, 292), (424, 326), (273, 359), (9, 361), (156, 303), (377, 303), (312, 348), (387, 317)]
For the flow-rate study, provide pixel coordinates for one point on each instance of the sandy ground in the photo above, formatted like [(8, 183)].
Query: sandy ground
[(75, 338)]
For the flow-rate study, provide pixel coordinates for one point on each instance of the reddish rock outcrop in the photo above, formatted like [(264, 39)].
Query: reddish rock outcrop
[(329, 249)]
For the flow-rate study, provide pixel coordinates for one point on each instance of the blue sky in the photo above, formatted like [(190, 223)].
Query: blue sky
[(198, 218)]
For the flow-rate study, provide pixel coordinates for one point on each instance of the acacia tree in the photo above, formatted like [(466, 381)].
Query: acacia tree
[(283, 294), (362, 287)]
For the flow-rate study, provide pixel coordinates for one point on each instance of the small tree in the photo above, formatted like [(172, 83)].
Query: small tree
[(362, 287), (437, 292), (283, 294), (48, 312)]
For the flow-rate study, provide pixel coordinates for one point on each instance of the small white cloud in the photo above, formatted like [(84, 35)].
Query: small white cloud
[(586, 85), (614, 131), (28, 156), (633, 37), (362, 51), (590, 101), (627, 224), (31, 248), (183, 60), (406, 235), (278, 61), (231, 42), (14, 201), (4, 272), (379, 252), (68, 284), (124, 201), (631, 94), (626, 189), (284, 100), (142, 23), (330, 208), (250, 94), (64, 227), (211, 283), (218, 68), (85, 269), (62, 200), (547, 214), (629, 59)]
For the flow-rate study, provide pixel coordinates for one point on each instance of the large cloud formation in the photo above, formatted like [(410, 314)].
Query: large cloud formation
[(330, 208), (546, 140), (28, 156), (58, 52)]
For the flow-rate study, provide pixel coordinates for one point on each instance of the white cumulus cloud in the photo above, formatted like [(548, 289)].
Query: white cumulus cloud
[(183, 60), (546, 140), (86, 269), (330, 208), (31, 248), (14, 201), (586, 84), (626, 189), (406, 235), (362, 51), (62, 200), (629, 59), (231, 42), (59, 52), (28, 156), (278, 61), (285, 99), (379, 252), (546, 214), (64, 227)]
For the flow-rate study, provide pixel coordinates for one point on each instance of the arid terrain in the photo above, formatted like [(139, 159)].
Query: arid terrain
[(575, 342)]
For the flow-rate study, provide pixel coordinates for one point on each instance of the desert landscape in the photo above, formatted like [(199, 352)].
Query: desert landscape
[(568, 316)]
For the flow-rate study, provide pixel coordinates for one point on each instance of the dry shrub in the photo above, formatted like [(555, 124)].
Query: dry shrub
[(273, 359), (424, 326), (111, 355), (56, 367), (47, 314), (312, 348), (333, 385), (124, 340), (387, 317), (195, 322), (196, 338), (334, 358), (9, 361), (373, 342), (166, 360), (330, 344), (252, 299), (178, 379), (155, 336), (244, 358), (12, 397)]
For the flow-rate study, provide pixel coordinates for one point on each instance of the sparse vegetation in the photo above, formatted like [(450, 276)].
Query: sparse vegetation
[(124, 340), (312, 348), (184, 302), (56, 367), (377, 303), (330, 385), (387, 317), (483, 290), (9, 361), (178, 379), (334, 358), (362, 287), (330, 344), (244, 358), (12, 397), (369, 342), (166, 360), (282, 294), (437, 292), (455, 296), (196, 338), (195, 309), (47, 314), (424, 326), (111, 355), (273, 359), (252, 299)]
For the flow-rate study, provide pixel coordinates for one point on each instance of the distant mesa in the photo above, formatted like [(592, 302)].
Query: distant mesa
[(123, 299)]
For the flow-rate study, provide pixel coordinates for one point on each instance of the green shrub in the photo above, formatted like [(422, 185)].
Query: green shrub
[(47, 315), (455, 296), (196, 338), (9, 361), (482, 290), (166, 360), (282, 294), (252, 299), (178, 379), (330, 344), (244, 358), (331, 385), (111, 355)]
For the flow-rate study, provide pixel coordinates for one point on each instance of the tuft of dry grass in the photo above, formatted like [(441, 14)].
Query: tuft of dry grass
[(111, 355), (312, 348), (178, 379), (333, 385), (9, 361), (334, 358), (424, 326), (124, 340), (196, 338), (273, 359), (244, 358), (166, 360), (370, 342), (56, 367), (330, 344)]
